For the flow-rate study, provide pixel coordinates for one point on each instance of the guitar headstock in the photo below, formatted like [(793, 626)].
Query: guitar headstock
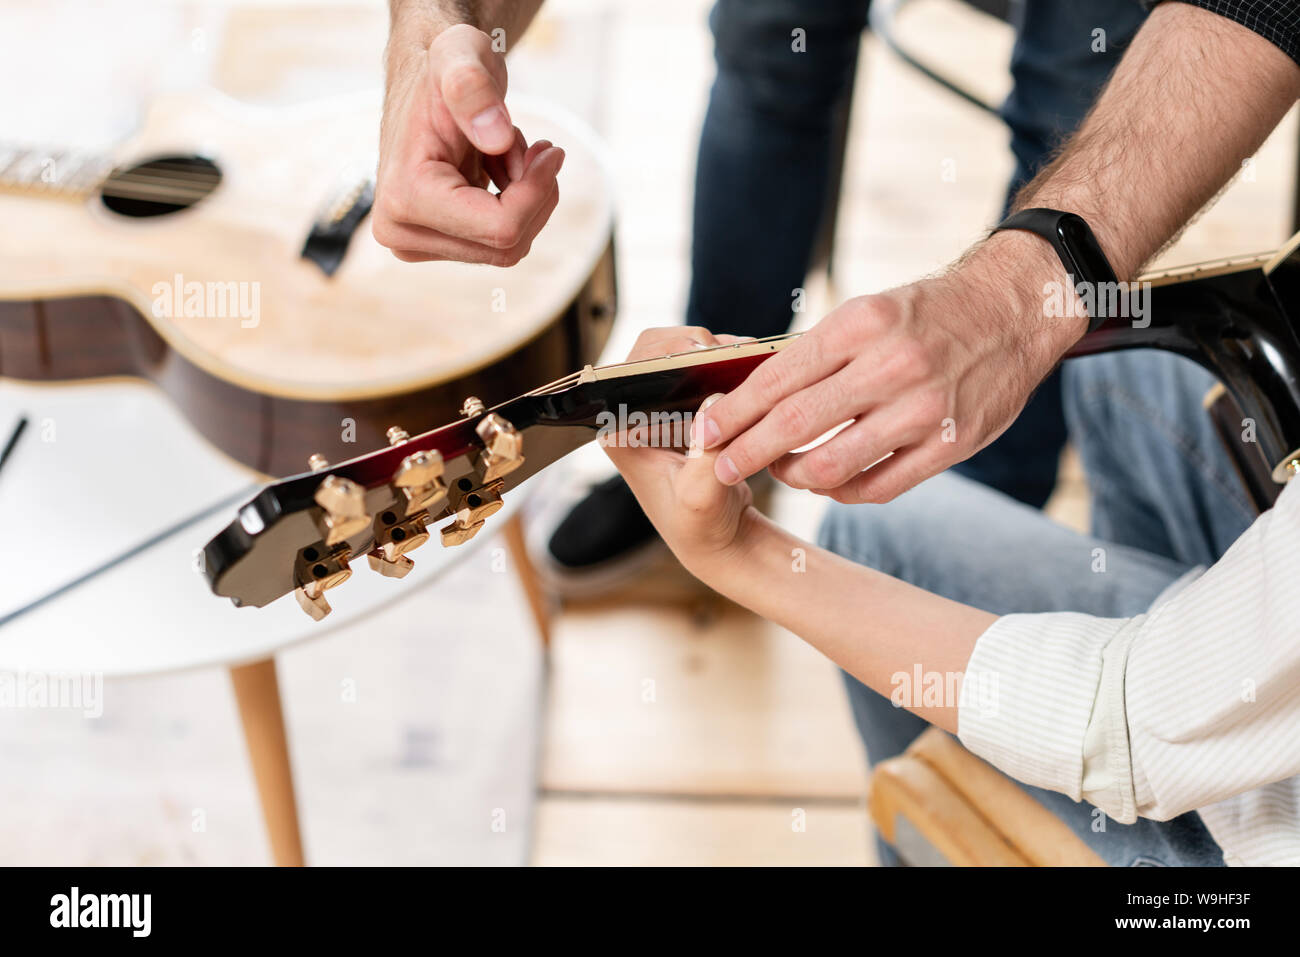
[(306, 533), (1237, 317)]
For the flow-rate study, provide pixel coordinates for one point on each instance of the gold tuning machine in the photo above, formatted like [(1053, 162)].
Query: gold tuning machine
[(393, 539), (458, 534), (343, 502), (398, 567), (471, 505), (419, 478), (321, 573), (503, 447)]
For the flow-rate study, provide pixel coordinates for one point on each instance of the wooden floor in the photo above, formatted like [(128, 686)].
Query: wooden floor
[(660, 732)]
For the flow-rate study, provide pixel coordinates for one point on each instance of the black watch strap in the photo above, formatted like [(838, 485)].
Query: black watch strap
[(1078, 248)]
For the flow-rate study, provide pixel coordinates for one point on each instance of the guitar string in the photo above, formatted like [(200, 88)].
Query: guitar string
[(180, 185), (181, 182)]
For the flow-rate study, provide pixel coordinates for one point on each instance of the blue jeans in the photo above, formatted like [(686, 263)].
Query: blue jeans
[(765, 162), (1165, 499)]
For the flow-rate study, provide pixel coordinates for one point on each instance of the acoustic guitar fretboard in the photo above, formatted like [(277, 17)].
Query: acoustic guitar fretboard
[(70, 174)]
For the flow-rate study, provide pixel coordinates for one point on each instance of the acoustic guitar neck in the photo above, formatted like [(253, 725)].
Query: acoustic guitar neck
[(56, 174)]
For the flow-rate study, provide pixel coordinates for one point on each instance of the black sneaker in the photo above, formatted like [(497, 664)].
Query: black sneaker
[(602, 541)]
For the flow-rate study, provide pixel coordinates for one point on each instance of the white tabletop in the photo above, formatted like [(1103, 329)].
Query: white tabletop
[(103, 467)]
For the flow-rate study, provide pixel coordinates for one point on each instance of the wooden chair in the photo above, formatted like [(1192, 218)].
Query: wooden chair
[(938, 804)]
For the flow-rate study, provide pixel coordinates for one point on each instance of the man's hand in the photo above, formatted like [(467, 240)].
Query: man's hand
[(447, 133), (934, 371), (927, 375), (703, 521), (869, 624)]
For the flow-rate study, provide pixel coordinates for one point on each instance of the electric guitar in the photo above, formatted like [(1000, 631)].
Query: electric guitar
[(301, 534), (225, 253)]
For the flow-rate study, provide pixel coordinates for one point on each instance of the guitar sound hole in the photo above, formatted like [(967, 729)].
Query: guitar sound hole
[(160, 186)]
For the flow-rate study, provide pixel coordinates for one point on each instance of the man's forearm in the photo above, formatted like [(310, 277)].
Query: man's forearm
[(1195, 96), (415, 23)]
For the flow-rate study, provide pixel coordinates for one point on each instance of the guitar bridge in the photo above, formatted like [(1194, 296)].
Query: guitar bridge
[(327, 243)]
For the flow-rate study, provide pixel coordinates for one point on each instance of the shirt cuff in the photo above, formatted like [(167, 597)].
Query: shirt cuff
[(1036, 680), (1274, 20)]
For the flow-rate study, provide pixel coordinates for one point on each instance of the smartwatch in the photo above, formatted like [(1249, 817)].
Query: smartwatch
[(1078, 248)]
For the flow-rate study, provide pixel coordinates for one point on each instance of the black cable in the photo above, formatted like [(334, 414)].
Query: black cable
[(131, 552), (13, 440), (882, 17)]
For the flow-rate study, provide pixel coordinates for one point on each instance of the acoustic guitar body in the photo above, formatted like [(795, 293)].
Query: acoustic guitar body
[(225, 254)]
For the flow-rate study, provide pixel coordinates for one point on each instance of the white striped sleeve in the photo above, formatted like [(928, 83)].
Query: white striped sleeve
[(1047, 672), (1167, 712), (1213, 679)]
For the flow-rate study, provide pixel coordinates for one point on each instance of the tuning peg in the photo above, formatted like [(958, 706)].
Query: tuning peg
[(325, 573), (344, 505), (316, 462), (395, 537), (472, 406), (420, 479), (312, 602), (503, 447), (397, 436), (471, 506), (475, 504), (458, 534), (399, 567)]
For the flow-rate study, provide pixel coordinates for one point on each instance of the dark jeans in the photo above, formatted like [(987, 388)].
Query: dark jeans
[(765, 162)]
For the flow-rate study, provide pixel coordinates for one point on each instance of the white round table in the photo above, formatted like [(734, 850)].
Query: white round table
[(106, 466)]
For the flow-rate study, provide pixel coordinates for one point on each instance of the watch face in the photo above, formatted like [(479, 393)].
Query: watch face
[(1090, 263)]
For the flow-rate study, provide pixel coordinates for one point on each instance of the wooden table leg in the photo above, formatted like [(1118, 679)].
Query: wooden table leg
[(537, 598), (258, 693)]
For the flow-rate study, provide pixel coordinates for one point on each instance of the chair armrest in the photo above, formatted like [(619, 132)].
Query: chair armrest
[(968, 810)]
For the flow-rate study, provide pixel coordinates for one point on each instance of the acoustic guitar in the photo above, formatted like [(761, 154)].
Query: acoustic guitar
[(225, 254), (1237, 317)]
